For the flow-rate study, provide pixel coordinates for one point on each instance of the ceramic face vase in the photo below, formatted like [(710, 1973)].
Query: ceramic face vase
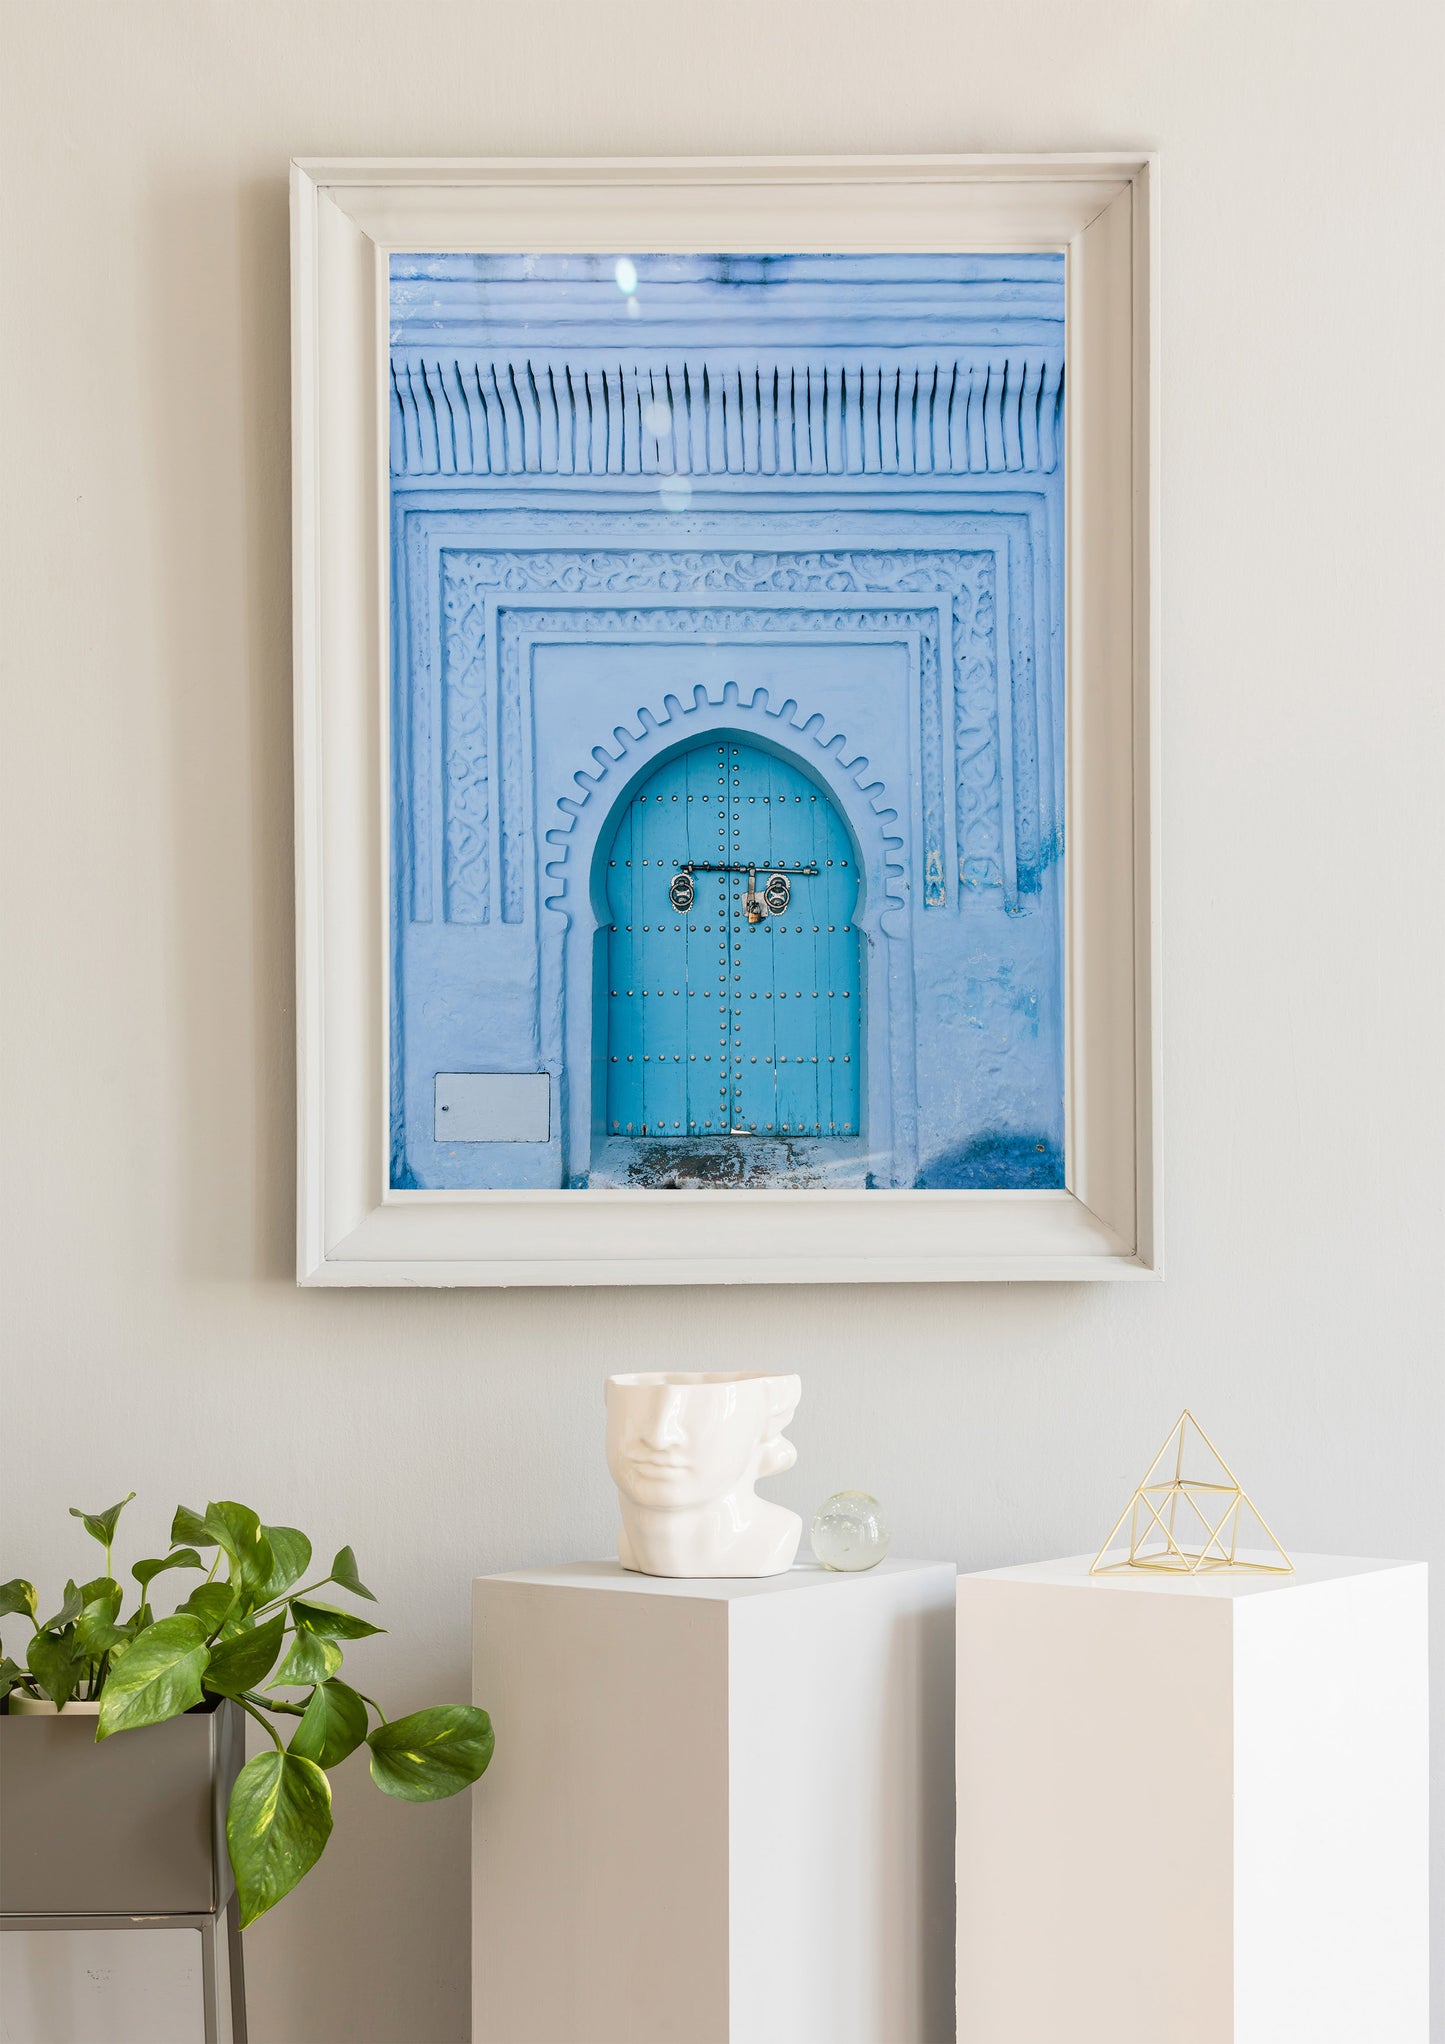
[(685, 1452)]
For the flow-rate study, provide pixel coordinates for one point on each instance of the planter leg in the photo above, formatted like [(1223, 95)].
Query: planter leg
[(236, 1969), (210, 1938)]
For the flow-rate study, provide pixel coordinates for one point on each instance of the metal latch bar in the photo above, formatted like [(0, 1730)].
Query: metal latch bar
[(748, 866)]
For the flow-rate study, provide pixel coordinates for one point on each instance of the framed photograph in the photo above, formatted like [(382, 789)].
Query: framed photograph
[(725, 665)]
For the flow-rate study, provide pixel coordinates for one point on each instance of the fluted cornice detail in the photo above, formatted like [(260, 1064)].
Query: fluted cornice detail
[(974, 411)]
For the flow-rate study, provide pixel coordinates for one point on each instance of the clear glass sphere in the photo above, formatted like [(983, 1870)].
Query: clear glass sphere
[(851, 1531)]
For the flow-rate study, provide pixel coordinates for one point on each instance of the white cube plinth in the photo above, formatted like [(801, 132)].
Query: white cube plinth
[(719, 1812), (1192, 1810)]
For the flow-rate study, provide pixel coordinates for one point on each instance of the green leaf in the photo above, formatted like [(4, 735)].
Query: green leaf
[(333, 1727), (145, 1572), (277, 1827), (343, 1574), (188, 1528), (238, 1664), (103, 1590), (329, 1622), (238, 1531), (11, 1675), (236, 1528), (290, 1558), (211, 1603), (140, 1620), (98, 1636), (310, 1660), (55, 1665), (69, 1611), (17, 1595), (431, 1754), (157, 1677), (96, 1631), (101, 1525)]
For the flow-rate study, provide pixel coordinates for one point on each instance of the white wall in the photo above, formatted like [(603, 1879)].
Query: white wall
[(155, 1335)]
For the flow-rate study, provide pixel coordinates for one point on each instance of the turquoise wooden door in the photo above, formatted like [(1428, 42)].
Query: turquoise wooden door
[(733, 1009)]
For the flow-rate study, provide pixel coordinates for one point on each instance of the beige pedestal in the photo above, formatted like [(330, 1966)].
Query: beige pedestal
[(719, 1812)]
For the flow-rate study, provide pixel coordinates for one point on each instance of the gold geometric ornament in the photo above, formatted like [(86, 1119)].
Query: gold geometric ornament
[(1190, 1516)]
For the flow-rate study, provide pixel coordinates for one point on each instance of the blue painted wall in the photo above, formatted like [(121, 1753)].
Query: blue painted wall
[(651, 510)]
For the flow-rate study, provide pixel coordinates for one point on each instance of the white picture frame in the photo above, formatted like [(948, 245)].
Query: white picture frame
[(348, 216)]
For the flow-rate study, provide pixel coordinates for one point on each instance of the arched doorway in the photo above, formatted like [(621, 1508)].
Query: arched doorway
[(732, 954)]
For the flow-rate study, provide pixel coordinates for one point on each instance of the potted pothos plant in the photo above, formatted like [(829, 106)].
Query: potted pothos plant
[(244, 1638)]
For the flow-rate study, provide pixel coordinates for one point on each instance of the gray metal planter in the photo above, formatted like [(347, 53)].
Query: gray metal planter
[(130, 1833)]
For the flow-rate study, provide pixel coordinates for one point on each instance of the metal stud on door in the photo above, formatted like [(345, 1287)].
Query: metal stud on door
[(733, 981)]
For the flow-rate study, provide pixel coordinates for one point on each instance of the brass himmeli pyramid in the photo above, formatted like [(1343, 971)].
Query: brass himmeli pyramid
[(1191, 1516)]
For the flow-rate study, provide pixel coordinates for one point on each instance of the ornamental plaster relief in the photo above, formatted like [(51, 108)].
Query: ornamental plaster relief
[(475, 585)]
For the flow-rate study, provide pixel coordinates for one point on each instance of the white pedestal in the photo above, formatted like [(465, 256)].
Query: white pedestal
[(1191, 1809), (719, 1812)]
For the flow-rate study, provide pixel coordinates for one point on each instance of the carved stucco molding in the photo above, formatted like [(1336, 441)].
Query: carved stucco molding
[(840, 763), (710, 621), (466, 749), (965, 579)]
